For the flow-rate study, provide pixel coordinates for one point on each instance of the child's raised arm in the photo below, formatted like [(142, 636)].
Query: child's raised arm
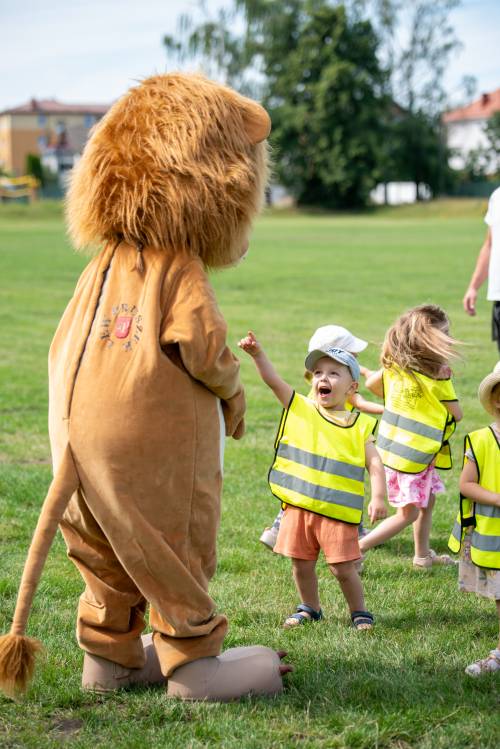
[(471, 489), (374, 382), (282, 390), (367, 407), (454, 409)]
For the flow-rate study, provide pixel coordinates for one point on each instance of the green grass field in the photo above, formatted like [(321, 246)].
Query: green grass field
[(401, 686)]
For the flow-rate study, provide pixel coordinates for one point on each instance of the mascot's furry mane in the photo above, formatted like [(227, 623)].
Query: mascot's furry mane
[(177, 163)]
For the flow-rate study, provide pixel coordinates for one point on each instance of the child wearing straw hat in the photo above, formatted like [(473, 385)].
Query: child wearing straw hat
[(476, 533)]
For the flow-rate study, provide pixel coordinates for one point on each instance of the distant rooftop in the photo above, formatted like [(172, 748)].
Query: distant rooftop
[(481, 109), (52, 106)]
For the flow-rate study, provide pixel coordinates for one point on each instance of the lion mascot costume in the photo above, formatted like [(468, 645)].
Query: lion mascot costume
[(140, 382)]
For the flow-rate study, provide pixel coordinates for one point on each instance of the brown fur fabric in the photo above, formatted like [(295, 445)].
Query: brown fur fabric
[(172, 165), (17, 661), (142, 384)]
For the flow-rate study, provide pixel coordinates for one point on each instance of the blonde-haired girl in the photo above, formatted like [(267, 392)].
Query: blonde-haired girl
[(420, 413)]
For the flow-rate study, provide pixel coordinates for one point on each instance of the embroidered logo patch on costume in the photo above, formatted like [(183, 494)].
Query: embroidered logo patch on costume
[(122, 326), (115, 327)]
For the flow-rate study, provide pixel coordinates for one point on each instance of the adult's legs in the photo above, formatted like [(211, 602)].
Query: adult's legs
[(495, 323)]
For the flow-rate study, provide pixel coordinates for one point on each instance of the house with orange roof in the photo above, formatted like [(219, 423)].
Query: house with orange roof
[(465, 128), (55, 131)]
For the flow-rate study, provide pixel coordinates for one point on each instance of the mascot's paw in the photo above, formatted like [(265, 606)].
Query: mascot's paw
[(238, 672), (101, 675)]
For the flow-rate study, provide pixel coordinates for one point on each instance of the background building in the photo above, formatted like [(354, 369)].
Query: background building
[(54, 131), (465, 129)]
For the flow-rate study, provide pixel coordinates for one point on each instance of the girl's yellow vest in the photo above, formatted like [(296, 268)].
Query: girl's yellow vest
[(318, 465), (484, 519), (415, 425)]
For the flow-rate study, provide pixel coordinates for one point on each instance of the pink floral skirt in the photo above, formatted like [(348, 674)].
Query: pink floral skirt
[(412, 488)]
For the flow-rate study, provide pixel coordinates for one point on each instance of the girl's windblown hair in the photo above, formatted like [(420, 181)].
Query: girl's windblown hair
[(420, 341)]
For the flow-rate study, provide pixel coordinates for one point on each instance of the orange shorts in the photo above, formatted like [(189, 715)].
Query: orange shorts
[(303, 534)]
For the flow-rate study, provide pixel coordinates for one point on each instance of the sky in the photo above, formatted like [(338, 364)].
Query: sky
[(91, 51)]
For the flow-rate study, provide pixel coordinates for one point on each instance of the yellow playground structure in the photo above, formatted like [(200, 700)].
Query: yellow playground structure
[(19, 187)]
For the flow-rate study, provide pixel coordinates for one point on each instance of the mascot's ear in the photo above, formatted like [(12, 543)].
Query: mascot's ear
[(256, 120)]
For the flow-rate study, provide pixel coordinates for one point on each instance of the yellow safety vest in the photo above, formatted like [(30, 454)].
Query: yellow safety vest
[(318, 465), (347, 405), (484, 519), (443, 458), (415, 424)]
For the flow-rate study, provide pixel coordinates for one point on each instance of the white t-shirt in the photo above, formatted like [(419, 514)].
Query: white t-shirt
[(492, 218)]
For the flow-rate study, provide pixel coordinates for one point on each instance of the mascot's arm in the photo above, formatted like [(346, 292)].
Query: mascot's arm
[(193, 323)]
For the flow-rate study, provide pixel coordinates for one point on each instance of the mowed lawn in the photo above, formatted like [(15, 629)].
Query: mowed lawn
[(402, 685)]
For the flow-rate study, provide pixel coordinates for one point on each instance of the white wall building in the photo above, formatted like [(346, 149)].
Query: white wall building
[(465, 128)]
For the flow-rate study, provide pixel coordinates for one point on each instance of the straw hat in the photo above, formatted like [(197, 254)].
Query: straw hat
[(485, 390)]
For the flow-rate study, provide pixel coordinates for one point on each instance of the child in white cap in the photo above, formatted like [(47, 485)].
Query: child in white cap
[(331, 336), (476, 533), (322, 451)]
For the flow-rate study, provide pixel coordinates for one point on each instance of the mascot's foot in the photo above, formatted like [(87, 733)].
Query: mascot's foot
[(235, 673), (101, 675)]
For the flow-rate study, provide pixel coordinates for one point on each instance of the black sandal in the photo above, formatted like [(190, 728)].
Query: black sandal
[(362, 620), (301, 618)]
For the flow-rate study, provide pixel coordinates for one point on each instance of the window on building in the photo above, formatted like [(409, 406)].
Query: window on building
[(42, 120), (89, 120)]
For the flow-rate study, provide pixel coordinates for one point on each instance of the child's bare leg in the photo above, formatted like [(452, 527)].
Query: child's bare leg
[(498, 614), (350, 584), (422, 528), (306, 581), (390, 527), (490, 664)]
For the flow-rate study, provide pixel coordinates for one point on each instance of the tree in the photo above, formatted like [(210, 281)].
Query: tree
[(320, 79), (34, 167), (411, 41), (325, 95), (417, 41)]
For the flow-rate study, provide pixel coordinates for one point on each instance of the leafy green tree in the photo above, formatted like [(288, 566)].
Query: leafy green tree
[(417, 41), (326, 100), (34, 167), (317, 71), (351, 100)]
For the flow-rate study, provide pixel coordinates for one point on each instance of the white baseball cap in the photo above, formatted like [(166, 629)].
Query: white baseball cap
[(335, 336)]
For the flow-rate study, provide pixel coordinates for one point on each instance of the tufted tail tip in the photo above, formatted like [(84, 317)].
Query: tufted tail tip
[(17, 662)]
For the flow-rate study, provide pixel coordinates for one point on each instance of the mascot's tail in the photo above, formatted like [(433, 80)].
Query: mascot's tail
[(17, 652)]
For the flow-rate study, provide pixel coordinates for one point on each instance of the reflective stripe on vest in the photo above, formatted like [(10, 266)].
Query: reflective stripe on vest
[(485, 519), (414, 423), (319, 466)]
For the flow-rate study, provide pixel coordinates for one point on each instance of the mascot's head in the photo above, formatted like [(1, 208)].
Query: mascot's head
[(179, 163)]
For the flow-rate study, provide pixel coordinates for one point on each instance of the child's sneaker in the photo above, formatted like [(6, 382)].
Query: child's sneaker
[(269, 537), (485, 666)]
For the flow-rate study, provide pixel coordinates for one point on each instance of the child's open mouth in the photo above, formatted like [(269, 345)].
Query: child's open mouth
[(324, 390)]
